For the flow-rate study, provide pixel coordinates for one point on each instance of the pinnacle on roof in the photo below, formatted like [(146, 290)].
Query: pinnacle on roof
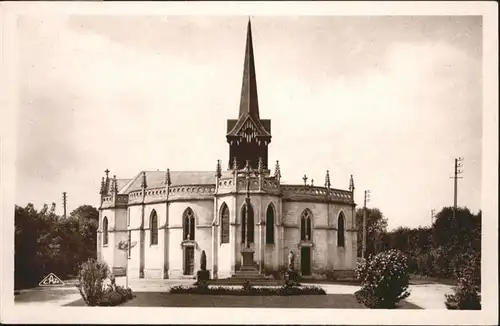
[(144, 183), (327, 179), (168, 181), (114, 185), (277, 170), (249, 102), (218, 170)]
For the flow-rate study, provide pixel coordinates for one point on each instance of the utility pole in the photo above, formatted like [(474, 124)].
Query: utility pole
[(365, 211), (458, 170), (64, 204)]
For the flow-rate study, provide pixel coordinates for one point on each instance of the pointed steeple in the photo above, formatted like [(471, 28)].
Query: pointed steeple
[(248, 136), (249, 101)]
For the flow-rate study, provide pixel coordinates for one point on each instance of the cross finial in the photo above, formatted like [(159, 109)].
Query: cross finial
[(327, 179), (107, 173), (305, 179)]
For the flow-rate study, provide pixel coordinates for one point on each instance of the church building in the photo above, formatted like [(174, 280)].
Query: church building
[(242, 217)]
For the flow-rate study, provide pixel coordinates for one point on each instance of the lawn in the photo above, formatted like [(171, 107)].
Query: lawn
[(163, 299)]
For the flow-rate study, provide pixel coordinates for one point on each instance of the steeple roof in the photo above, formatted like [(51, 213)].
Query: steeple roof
[(249, 103)]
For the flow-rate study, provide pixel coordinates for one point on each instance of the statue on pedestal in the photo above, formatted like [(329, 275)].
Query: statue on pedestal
[(291, 258)]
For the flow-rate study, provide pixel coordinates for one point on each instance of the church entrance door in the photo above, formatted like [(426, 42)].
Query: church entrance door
[(305, 261), (188, 260)]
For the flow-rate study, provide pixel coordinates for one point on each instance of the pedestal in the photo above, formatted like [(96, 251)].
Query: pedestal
[(247, 255)]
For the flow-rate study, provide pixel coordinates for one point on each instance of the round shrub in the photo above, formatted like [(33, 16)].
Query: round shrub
[(115, 298), (384, 279)]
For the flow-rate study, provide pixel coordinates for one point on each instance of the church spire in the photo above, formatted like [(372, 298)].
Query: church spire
[(248, 102)]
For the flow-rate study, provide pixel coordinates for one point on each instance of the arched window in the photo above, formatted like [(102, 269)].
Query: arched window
[(224, 224), (340, 230), (154, 228), (247, 224), (105, 231), (270, 225), (188, 224), (305, 225)]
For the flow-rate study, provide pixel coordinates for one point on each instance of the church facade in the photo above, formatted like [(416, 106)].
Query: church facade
[(157, 224)]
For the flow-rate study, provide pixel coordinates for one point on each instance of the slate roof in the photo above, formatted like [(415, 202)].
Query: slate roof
[(121, 184), (156, 179)]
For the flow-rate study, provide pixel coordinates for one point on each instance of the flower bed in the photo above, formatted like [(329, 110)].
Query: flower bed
[(250, 290)]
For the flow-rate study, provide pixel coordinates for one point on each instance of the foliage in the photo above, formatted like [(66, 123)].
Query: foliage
[(465, 297), (437, 251), (376, 225), (248, 289), (90, 281), (46, 243), (384, 279), (247, 286), (114, 294)]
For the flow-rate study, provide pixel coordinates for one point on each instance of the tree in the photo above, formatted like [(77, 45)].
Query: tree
[(45, 243), (85, 212), (376, 224)]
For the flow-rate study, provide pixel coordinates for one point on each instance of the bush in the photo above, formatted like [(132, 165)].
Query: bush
[(90, 281), (468, 265), (384, 279), (466, 296), (248, 289), (115, 294)]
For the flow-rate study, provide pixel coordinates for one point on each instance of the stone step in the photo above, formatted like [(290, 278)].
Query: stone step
[(249, 276)]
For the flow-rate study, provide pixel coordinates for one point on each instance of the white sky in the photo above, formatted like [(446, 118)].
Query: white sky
[(391, 100)]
